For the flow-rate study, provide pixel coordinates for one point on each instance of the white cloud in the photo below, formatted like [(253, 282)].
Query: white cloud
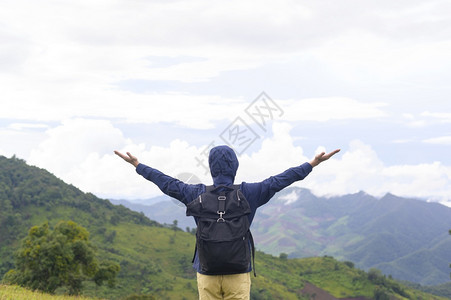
[(71, 143), (114, 39), (417, 124), (21, 126), (81, 152), (331, 108), (65, 60), (186, 110), (360, 169), (422, 180), (442, 140), (444, 117), (427, 118), (69, 68), (193, 111), (114, 178), (277, 153), (355, 169), (19, 141), (290, 198)]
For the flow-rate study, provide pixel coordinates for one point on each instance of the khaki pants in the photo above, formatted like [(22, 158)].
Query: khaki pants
[(224, 287)]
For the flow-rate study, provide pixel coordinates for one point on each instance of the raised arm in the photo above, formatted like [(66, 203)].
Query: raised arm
[(169, 185), (259, 193)]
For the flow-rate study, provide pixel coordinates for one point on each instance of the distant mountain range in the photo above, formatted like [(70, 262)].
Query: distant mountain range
[(161, 208), (405, 238)]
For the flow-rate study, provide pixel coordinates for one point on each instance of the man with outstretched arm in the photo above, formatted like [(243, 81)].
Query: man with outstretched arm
[(223, 164)]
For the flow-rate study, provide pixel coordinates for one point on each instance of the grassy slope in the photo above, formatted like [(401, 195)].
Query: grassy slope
[(337, 278), (13, 292), (157, 261), (153, 259)]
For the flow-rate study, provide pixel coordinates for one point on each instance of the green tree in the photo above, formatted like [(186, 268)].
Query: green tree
[(174, 226), (107, 272), (48, 259), (283, 256), (380, 294), (376, 276)]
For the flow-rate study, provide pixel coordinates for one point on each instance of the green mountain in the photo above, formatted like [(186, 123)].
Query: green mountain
[(156, 259), (162, 209), (405, 238)]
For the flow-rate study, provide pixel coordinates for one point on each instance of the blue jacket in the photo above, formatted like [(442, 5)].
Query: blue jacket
[(223, 166)]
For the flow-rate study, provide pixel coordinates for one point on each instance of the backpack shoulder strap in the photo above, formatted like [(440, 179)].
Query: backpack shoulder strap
[(251, 240), (209, 188)]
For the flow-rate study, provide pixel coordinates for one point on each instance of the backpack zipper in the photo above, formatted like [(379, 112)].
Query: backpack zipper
[(200, 201)]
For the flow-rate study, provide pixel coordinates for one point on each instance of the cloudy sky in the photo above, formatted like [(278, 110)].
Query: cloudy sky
[(278, 80)]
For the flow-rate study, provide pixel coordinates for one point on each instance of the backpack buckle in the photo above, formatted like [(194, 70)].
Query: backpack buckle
[(220, 219), (221, 209)]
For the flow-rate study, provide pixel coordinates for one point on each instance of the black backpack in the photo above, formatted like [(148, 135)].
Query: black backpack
[(224, 242)]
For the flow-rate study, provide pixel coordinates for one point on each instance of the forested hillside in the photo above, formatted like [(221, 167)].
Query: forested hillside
[(405, 238), (155, 259)]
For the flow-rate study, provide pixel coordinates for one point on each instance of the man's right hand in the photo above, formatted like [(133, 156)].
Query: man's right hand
[(128, 158), (319, 158)]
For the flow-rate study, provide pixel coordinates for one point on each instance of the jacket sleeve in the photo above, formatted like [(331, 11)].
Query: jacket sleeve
[(259, 193), (171, 186)]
